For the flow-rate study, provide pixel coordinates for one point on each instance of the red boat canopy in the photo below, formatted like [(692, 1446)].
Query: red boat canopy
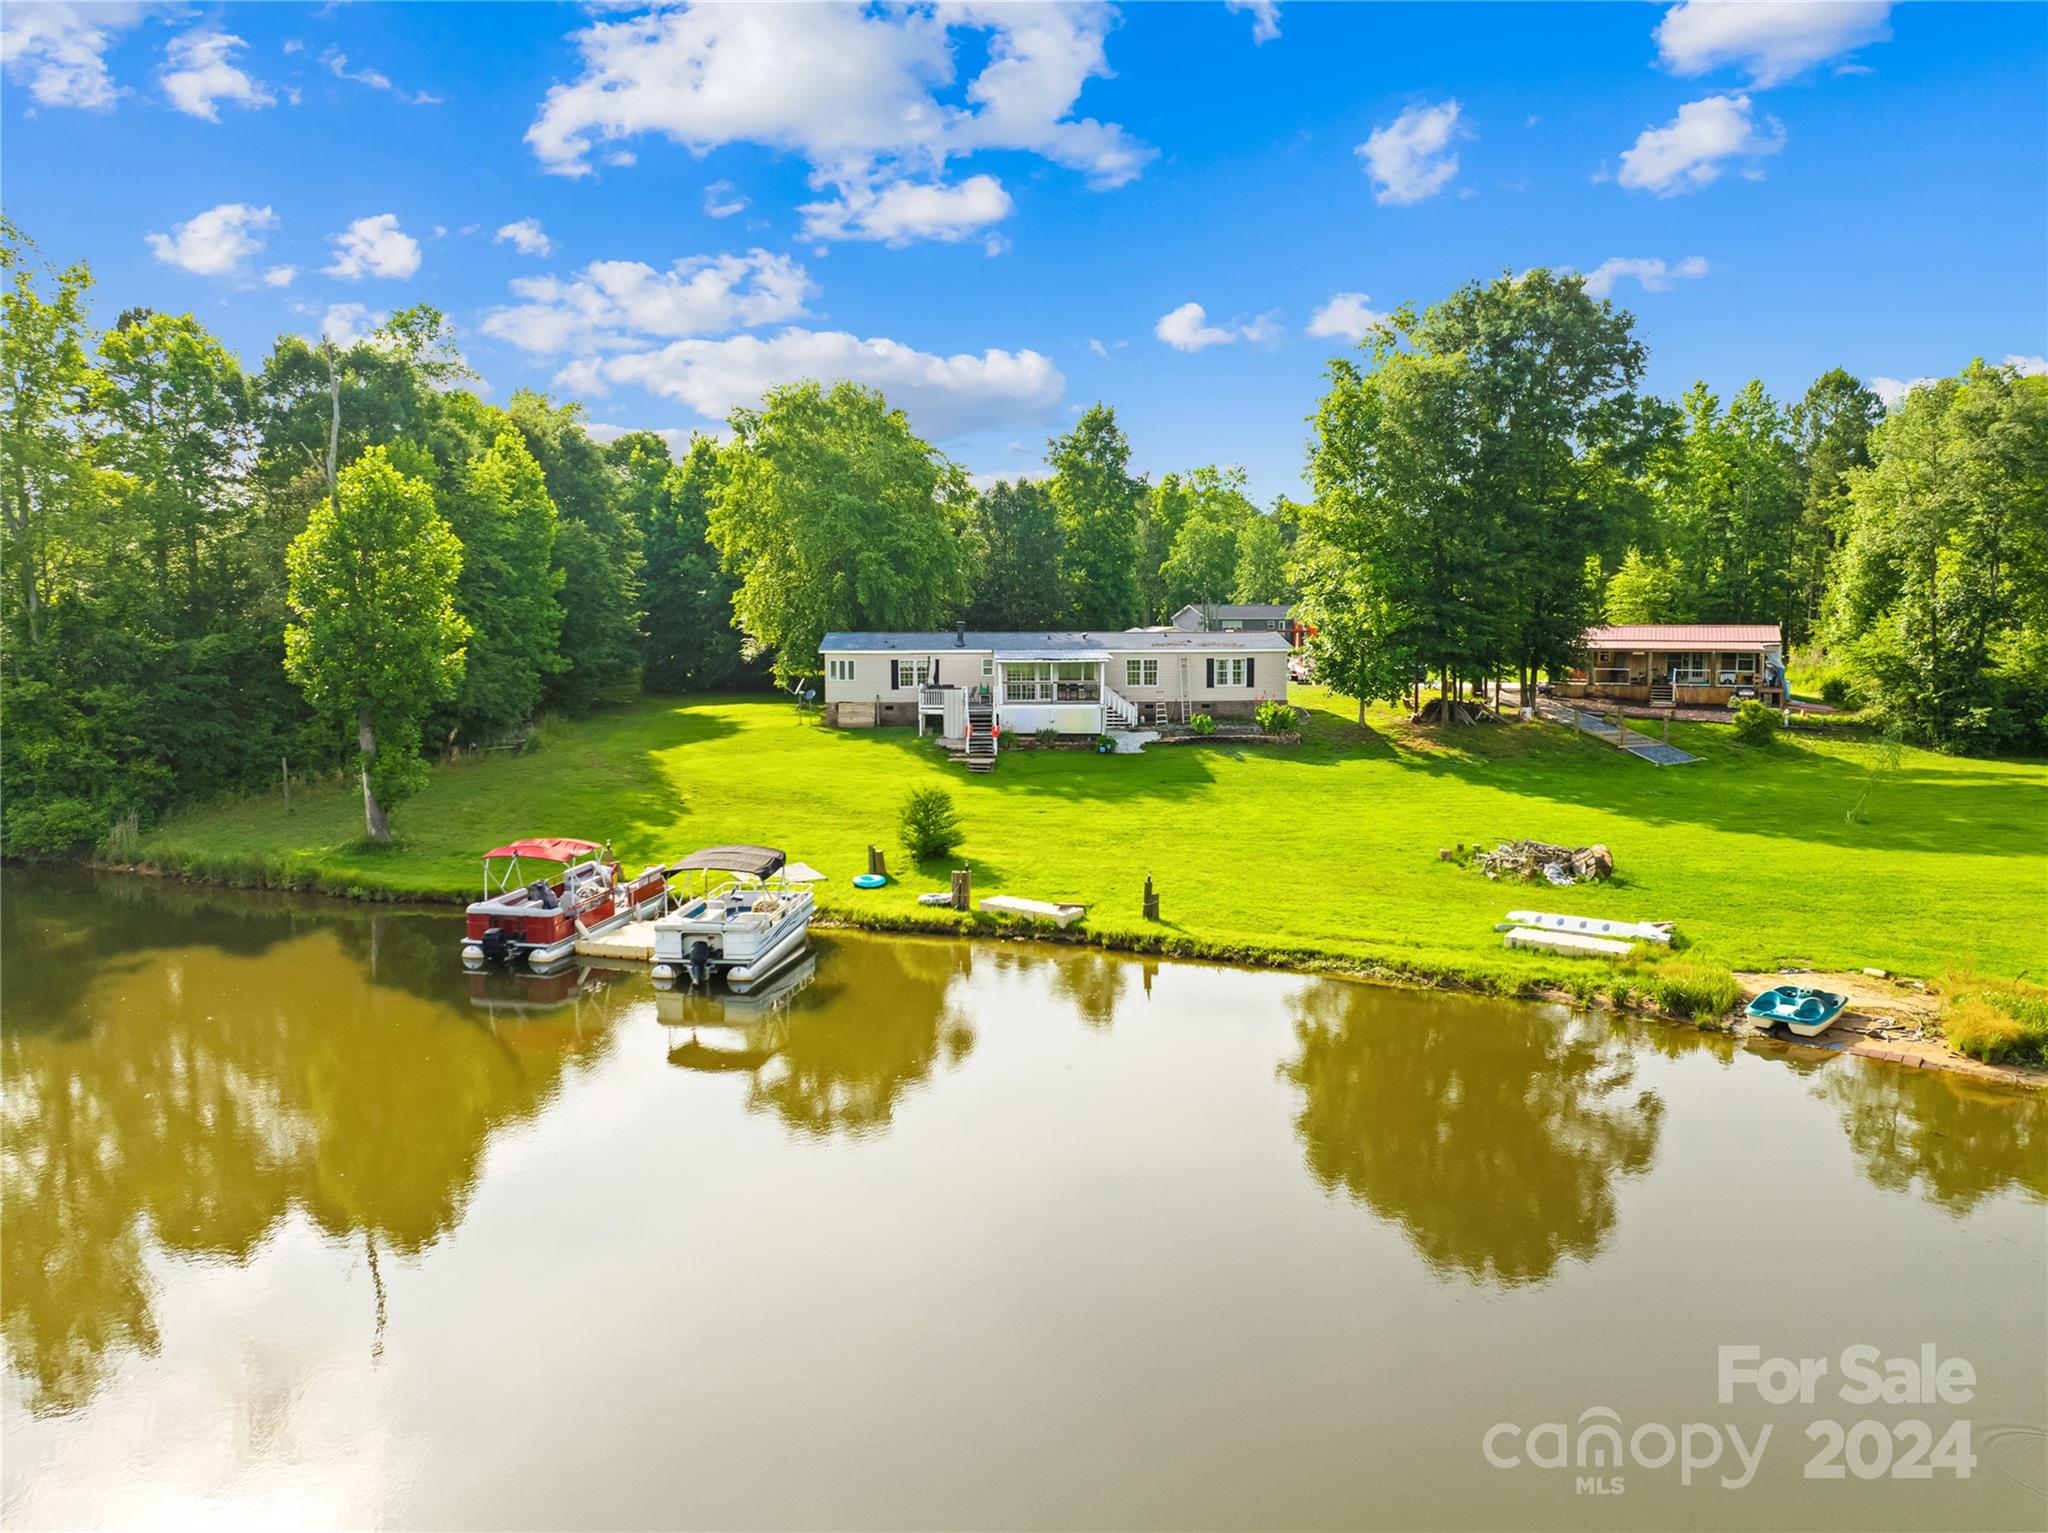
[(547, 849)]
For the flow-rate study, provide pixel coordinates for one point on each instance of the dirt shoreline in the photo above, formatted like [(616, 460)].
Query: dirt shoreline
[(1890, 1018)]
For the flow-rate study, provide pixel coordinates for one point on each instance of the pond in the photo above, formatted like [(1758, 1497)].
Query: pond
[(304, 1225)]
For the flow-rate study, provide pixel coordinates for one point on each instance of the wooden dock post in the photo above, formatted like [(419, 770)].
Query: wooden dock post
[(1151, 900), (963, 888), (877, 864)]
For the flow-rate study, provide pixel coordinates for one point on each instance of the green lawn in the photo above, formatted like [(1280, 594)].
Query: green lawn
[(1329, 847)]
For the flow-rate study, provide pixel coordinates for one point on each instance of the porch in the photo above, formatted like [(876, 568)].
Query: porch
[(1677, 678), (1029, 692)]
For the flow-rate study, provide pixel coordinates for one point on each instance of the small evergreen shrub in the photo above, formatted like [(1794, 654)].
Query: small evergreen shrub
[(1838, 691), (930, 824), (1274, 717), (1756, 723), (1202, 724)]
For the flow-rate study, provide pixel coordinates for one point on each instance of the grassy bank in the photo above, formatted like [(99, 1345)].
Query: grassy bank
[(1326, 851)]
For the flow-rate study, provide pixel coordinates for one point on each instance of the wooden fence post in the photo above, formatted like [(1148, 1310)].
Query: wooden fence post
[(285, 763), (963, 888), (1151, 900)]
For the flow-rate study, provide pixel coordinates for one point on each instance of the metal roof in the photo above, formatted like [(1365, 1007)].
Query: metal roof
[(1684, 635), (1058, 645), (754, 861)]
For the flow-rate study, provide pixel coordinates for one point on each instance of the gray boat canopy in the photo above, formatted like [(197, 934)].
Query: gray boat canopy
[(754, 861)]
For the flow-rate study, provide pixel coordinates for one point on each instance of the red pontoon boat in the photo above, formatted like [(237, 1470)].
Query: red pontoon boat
[(536, 913)]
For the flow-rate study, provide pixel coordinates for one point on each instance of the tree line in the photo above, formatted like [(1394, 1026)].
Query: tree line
[(1489, 481), (346, 561), (349, 561)]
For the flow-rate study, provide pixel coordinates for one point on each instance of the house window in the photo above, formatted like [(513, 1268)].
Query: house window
[(1689, 670), (988, 665), (839, 670), (1141, 673), (1027, 681), (1230, 673)]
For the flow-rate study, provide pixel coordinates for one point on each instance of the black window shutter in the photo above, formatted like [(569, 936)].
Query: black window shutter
[(1248, 671), (935, 672), (1211, 663), (895, 679)]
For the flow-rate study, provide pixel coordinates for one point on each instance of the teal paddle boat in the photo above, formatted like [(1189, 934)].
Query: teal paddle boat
[(1807, 1013)]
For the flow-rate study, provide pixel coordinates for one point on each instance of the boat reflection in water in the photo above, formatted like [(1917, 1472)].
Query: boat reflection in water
[(719, 1030)]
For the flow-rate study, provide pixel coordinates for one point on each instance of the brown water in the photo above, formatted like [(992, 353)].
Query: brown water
[(301, 1227)]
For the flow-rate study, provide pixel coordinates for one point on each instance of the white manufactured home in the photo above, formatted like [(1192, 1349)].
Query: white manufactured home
[(1078, 683)]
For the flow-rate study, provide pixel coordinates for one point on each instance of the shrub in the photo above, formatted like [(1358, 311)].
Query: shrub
[(1692, 990), (1838, 691), (931, 825), (1999, 1022), (1202, 724), (1274, 716), (1046, 735), (1621, 992), (1756, 723)]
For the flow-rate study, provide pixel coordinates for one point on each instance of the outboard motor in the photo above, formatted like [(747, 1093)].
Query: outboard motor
[(497, 945), (700, 961)]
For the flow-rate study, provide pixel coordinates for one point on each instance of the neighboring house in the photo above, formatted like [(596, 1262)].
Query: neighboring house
[(1684, 664), (1239, 617), (1076, 683)]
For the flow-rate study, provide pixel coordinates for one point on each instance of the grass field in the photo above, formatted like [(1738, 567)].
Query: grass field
[(1329, 848)]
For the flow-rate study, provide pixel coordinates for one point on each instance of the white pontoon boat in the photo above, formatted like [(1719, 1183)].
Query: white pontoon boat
[(746, 928)]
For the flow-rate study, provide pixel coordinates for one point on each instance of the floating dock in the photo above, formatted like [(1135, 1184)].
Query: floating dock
[(1571, 944), (634, 941)]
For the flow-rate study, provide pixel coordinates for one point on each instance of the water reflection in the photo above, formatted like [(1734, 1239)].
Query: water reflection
[(220, 1064), (1492, 1134), (1953, 1140), (832, 1051)]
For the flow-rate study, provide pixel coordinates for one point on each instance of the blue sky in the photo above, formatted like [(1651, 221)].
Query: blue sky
[(1001, 214)]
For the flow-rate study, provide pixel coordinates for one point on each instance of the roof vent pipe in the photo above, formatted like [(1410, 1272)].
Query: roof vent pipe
[(960, 634)]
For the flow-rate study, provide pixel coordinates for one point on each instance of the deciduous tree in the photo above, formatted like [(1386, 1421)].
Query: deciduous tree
[(376, 639)]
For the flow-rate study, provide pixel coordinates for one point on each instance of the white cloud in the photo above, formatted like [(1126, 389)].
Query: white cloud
[(374, 247), (1265, 17), (215, 243), (854, 90), (60, 50), (1772, 39), (1654, 275), (346, 323), (2026, 367), (197, 75), (676, 437), (1344, 315), (1187, 328), (527, 237), (1688, 151), (611, 304), (943, 396), (1106, 350), (1411, 157), (722, 200), (902, 211), (1893, 391), (279, 276), (337, 65)]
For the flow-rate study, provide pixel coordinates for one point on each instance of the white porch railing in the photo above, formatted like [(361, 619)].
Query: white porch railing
[(1118, 711)]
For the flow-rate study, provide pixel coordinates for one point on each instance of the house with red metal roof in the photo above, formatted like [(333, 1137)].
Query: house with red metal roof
[(1684, 665)]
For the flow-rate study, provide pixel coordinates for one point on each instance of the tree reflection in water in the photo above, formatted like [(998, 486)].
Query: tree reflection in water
[(1491, 1133), (1928, 1130), (225, 1064), (851, 1046)]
